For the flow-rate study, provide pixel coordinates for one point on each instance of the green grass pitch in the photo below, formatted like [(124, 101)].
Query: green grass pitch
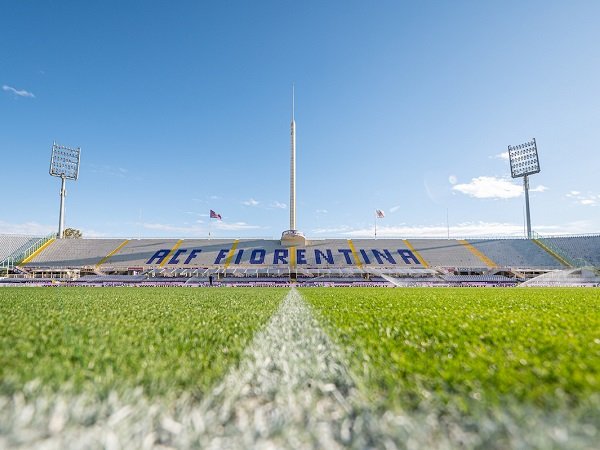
[(96, 340), (464, 349), (467, 354)]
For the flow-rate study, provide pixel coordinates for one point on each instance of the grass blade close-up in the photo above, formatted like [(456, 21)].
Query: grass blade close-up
[(167, 341), (475, 358)]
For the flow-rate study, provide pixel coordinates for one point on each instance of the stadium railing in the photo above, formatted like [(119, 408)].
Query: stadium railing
[(13, 260)]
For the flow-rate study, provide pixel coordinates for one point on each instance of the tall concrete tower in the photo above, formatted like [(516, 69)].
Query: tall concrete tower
[(293, 168), (293, 236)]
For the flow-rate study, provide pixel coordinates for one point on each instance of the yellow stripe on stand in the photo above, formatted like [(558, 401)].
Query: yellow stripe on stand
[(231, 252), (355, 253), (293, 259), (292, 263), (416, 253), (38, 251), (487, 261), (107, 257), (175, 247)]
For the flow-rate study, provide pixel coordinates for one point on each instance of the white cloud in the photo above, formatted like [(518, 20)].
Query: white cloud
[(461, 230), (540, 188), (452, 179), (584, 199), (321, 211), (279, 205), (107, 170), (493, 187), (236, 226), (503, 155), (19, 93), (28, 228), (87, 233), (195, 230), (191, 230), (343, 229), (207, 199), (393, 209), (489, 187), (37, 229), (256, 203)]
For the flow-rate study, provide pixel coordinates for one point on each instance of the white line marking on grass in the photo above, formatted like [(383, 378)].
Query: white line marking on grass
[(290, 390)]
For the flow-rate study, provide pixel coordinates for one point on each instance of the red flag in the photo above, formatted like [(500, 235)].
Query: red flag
[(214, 215)]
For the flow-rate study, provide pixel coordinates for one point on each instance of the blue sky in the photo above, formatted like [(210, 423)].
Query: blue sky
[(180, 107)]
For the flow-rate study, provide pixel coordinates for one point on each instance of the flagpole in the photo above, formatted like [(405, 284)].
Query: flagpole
[(212, 215), (376, 224)]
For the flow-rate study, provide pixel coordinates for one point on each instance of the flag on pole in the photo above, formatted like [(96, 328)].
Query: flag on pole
[(379, 213), (214, 215)]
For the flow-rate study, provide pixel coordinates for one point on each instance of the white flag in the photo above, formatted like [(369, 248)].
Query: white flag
[(380, 214)]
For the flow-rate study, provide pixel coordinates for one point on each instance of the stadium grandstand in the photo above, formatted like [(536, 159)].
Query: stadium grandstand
[(52, 260), (38, 260)]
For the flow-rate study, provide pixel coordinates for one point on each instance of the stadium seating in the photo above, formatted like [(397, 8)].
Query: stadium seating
[(74, 252), (329, 250), (138, 251), (372, 252), (15, 244), (515, 253), (446, 253), (581, 250), (358, 259), (111, 278), (478, 278)]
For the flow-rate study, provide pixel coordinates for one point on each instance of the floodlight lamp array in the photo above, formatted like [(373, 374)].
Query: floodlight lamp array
[(523, 159), (64, 162)]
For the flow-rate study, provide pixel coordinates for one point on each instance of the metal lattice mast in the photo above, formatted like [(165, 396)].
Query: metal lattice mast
[(524, 161), (527, 212), (64, 163), (61, 216)]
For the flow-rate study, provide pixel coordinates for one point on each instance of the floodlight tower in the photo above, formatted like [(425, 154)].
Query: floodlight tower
[(524, 161), (64, 163)]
